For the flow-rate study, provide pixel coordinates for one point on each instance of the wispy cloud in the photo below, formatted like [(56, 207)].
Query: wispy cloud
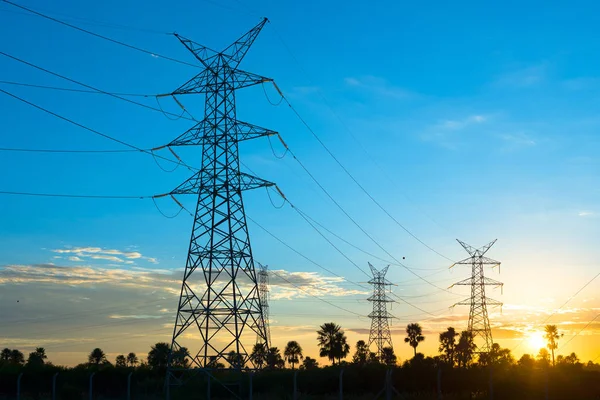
[(523, 77), (515, 141), (98, 253), (378, 86), (588, 214), (286, 285), (445, 132)]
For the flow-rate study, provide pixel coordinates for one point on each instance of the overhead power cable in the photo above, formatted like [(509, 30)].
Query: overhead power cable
[(80, 196), (153, 54), (559, 308), (64, 89), (347, 172), (90, 129), (65, 151), (115, 95), (577, 334)]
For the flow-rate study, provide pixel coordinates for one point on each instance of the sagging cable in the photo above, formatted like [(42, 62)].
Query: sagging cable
[(160, 211), (160, 166)]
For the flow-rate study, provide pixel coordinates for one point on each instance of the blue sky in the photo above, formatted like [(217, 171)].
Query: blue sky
[(482, 119)]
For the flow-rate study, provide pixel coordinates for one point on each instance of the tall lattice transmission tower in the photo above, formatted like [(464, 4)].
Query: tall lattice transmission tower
[(219, 313), (263, 291), (479, 323), (380, 326)]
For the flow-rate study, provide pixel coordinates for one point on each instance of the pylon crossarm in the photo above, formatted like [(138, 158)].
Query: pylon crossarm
[(465, 302), (242, 79), (494, 303), (236, 51), (464, 282), (488, 261), (466, 261), (193, 136), (485, 248), (471, 250), (249, 182), (202, 53), (198, 84), (492, 282), (246, 131)]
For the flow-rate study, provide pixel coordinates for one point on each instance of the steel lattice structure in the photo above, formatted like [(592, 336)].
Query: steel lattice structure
[(263, 291), (219, 313), (479, 323), (380, 326)]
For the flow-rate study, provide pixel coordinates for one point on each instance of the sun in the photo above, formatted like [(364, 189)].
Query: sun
[(536, 340)]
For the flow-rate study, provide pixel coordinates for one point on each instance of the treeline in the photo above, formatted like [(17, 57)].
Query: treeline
[(458, 370)]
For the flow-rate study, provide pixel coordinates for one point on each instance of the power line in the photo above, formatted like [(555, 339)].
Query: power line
[(577, 334), (558, 309), (64, 151), (87, 128), (115, 95), (153, 54), (72, 90), (362, 188), (76, 196)]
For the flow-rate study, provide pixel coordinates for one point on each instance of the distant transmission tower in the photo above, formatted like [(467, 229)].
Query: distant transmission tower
[(479, 323), (219, 313), (380, 327), (263, 290)]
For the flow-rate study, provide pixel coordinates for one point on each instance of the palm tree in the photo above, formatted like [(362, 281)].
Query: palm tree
[(309, 363), (132, 359), (448, 345), (552, 337), (235, 360), (5, 355), (388, 357), (158, 356), (274, 359), (259, 355), (362, 353), (37, 357), (293, 353), (414, 336), (465, 349), (97, 356), (332, 342), (326, 340), (120, 361)]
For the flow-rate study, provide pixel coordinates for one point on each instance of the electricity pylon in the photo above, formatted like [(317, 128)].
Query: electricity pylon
[(219, 313), (263, 291), (479, 323), (380, 326)]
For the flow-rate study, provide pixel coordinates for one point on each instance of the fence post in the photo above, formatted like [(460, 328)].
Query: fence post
[(54, 386), (208, 386), (491, 382), (295, 397), (129, 385), (250, 389), (546, 397), (92, 385), (19, 386), (439, 383), (342, 384), (388, 384)]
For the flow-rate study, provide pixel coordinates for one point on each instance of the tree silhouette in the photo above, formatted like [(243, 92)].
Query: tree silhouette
[(97, 357), (526, 361), (551, 335), (132, 359), (213, 363), (361, 356), (120, 361), (543, 357), (388, 357), (309, 363), (158, 356), (332, 342), (259, 355), (465, 349), (5, 355), (293, 353), (496, 356), (37, 357), (274, 360), (235, 360), (414, 336), (448, 345)]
